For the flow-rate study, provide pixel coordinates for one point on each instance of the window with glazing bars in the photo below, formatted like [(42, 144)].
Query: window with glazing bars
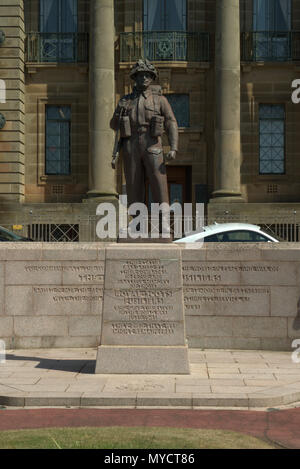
[(165, 15), (272, 15), (271, 139), (180, 104), (58, 28), (58, 137), (58, 16)]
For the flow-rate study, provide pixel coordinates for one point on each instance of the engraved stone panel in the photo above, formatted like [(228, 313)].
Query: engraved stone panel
[(269, 273), (227, 300), (143, 332), (211, 273), (33, 273), (142, 310), (143, 274), (54, 273), (144, 305), (67, 300), (83, 273)]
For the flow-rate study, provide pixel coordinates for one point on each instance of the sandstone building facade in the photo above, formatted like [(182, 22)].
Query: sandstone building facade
[(227, 67)]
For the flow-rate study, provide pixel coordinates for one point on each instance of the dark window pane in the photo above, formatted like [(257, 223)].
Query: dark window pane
[(49, 16), (180, 104), (58, 16), (257, 238), (271, 139), (209, 239), (164, 15), (58, 112), (272, 15), (175, 193), (239, 236), (58, 139), (175, 15), (68, 16), (153, 15)]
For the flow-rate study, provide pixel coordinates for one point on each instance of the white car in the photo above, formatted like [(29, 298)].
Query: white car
[(229, 232)]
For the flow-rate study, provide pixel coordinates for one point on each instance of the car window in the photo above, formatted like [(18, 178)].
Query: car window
[(209, 239), (260, 238), (8, 236), (242, 236)]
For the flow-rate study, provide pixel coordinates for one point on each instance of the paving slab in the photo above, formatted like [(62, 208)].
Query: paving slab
[(65, 377)]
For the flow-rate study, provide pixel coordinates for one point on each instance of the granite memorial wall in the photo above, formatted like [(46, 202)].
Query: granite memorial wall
[(85, 295)]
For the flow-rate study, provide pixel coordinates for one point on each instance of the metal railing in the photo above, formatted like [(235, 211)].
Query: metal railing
[(160, 46), (56, 47), (270, 46), (285, 226)]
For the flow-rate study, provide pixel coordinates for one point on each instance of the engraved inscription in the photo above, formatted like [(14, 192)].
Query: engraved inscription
[(201, 273), (197, 298), (143, 328), (143, 273), (63, 268), (134, 387), (232, 268), (70, 294), (83, 273), (141, 297), (143, 312), (143, 303)]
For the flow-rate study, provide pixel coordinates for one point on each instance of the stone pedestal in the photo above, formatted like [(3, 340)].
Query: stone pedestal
[(143, 329)]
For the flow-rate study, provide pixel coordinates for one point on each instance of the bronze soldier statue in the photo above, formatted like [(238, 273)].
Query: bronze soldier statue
[(141, 117)]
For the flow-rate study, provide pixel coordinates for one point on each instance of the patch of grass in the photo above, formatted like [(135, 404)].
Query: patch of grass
[(128, 438)]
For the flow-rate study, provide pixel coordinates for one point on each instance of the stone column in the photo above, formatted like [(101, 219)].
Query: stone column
[(101, 99), (227, 126), (12, 135)]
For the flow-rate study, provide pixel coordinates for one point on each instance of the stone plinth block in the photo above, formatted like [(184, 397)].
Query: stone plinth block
[(143, 328), (142, 360)]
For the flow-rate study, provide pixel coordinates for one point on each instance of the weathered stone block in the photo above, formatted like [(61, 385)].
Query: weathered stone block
[(31, 326), (145, 360), (82, 326), (143, 310)]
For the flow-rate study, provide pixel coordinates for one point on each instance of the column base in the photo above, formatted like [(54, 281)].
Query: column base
[(224, 197), (94, 196)]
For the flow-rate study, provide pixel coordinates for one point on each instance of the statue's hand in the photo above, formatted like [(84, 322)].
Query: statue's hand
[(171, 155), (123, 104)]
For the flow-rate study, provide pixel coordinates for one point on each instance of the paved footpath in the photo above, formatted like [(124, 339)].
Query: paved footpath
[(218, 378), (240, 380), (279, 426)]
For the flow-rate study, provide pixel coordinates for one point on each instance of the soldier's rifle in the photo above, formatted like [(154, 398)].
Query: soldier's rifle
[(118, 143)]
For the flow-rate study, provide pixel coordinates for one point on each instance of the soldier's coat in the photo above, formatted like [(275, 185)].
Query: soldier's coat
[(143, 153)]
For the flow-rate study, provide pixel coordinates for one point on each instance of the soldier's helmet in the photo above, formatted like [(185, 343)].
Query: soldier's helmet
[(143, 66)]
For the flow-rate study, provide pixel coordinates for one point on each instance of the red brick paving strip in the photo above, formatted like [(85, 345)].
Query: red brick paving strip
[(282, 427)]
